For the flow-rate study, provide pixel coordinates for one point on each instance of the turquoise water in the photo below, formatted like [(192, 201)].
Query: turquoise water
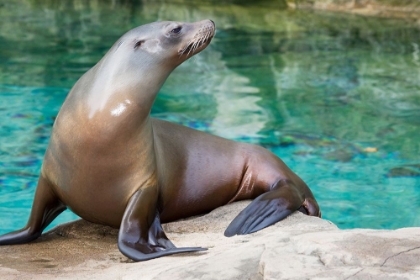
[(336, 97)]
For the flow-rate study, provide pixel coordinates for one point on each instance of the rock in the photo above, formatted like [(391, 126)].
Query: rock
[(300, 247), (408, 9), (407, 170)]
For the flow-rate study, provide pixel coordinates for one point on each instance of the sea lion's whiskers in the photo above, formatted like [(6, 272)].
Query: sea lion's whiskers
[(195, 45), (201, 40), (192, 48), (181, 52), (207, 36)]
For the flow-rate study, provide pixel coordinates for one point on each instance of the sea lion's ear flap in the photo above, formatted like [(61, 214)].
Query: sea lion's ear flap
[(138, 43)]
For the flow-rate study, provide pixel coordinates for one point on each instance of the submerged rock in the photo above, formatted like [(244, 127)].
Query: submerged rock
[(409, 170)]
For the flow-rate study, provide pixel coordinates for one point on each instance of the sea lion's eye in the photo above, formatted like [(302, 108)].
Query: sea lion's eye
[(138, 44), (176, 30)]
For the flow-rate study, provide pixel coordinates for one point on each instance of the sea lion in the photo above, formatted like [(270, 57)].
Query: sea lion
[(111, 163)]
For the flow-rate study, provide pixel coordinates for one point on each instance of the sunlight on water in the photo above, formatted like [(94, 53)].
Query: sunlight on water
[(336, 97)]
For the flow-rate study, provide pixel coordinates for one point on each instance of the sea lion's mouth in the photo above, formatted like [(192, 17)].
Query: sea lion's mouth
[(199, 42)]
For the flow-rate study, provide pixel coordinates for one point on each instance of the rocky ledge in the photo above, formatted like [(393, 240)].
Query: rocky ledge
[(407, 9), (300, 247)]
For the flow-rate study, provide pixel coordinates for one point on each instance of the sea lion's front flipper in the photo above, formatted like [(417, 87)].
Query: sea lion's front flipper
[(141, 236), (45, 208), (267, 209)]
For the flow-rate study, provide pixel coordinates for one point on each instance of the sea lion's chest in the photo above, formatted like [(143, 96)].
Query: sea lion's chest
[(95, 170)]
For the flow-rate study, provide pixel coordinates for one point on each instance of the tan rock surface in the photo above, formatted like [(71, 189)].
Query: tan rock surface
[(299, 247), (407, 9)]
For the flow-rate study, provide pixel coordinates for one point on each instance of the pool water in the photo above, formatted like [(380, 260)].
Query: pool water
[(337, 97)]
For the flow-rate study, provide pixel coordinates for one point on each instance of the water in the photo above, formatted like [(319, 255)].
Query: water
[(337, 97)]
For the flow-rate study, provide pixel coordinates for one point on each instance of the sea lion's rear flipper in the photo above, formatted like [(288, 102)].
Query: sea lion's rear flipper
[(46, 207), (267, 209), (141, 236)]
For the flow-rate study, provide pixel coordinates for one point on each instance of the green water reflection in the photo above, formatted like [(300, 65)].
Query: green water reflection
[(316, 88)]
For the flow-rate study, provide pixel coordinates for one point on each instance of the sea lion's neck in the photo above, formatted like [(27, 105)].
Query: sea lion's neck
[(114, 92)]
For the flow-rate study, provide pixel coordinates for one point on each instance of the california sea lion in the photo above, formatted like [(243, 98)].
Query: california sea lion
[(111, 163)]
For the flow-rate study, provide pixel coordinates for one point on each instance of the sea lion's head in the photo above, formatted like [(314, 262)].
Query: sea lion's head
[(165, 43)]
